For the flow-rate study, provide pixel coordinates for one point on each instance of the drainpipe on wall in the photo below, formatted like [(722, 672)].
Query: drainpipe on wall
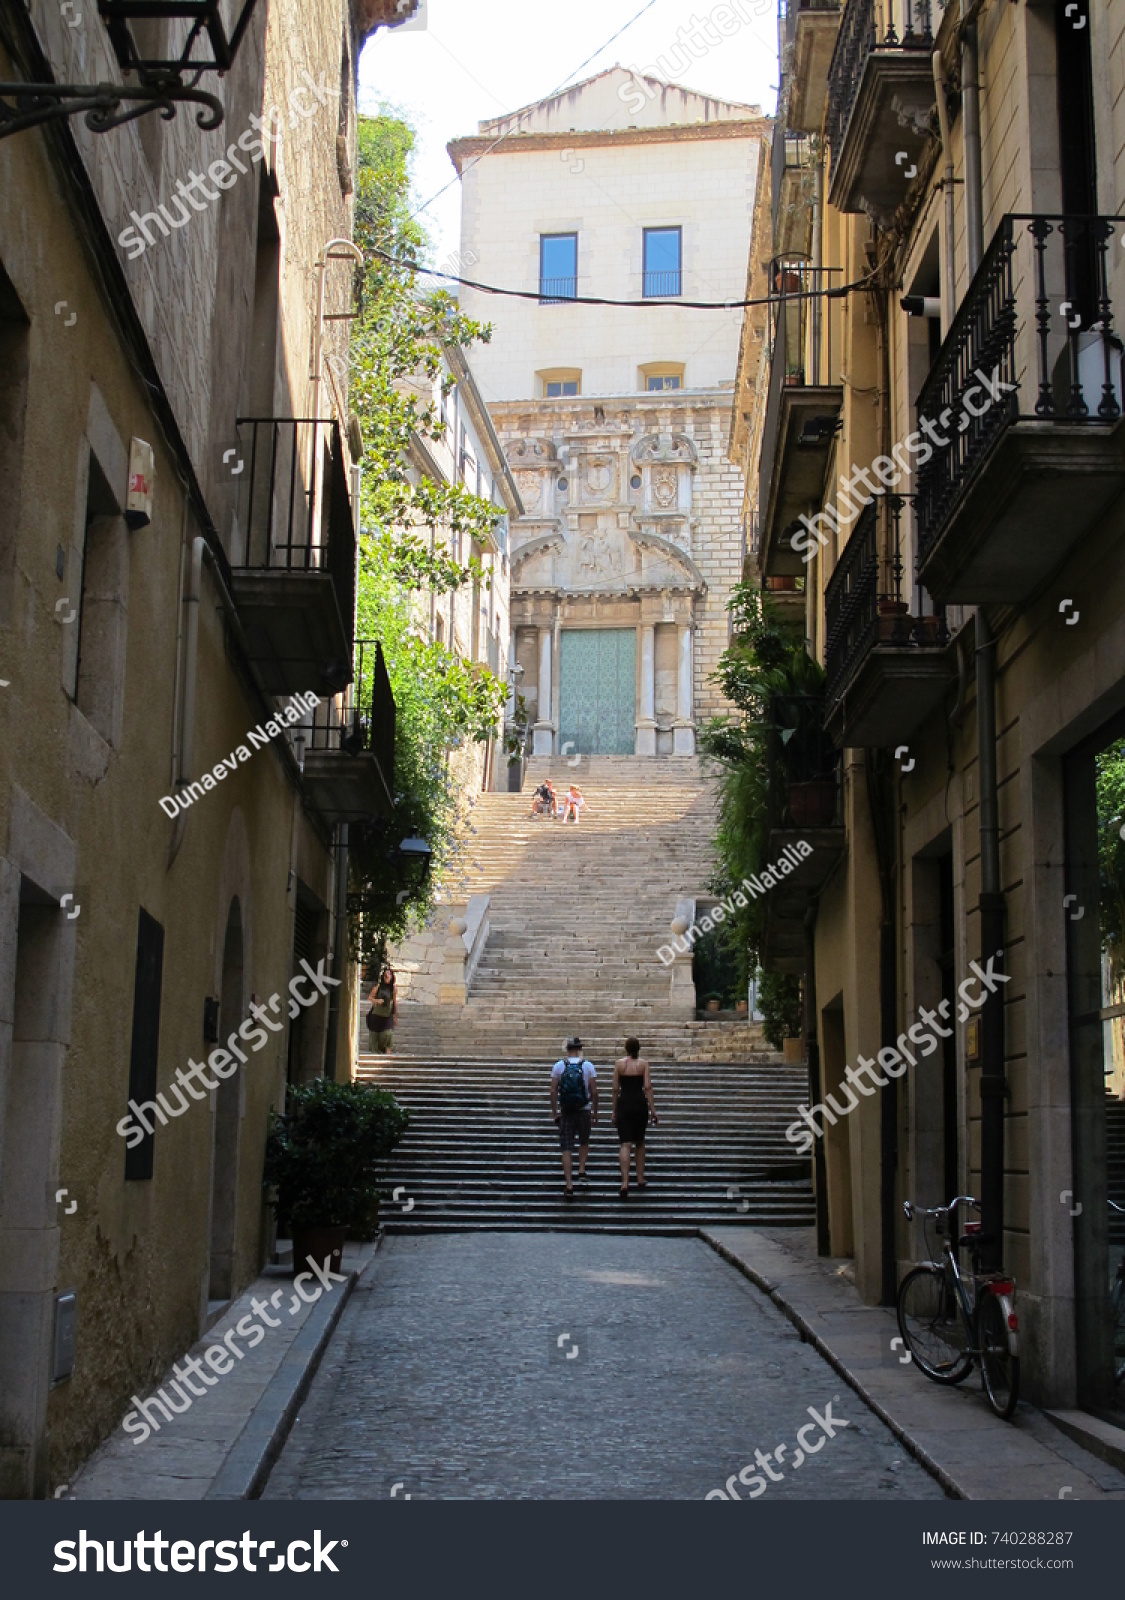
[(993, 1085), (970, 125), (817, 251), (950, 273)]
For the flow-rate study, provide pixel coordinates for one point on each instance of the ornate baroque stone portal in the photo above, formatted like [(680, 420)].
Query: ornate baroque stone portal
[(606, 541)]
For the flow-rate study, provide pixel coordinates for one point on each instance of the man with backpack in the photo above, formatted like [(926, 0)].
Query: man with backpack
[(574, 1106)]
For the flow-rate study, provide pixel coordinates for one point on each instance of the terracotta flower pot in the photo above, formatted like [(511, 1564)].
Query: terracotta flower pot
[(793, 1050), (742, 1007), (813, 804), (928, 630), (318, 1243), (783, 585), (712, 1005)]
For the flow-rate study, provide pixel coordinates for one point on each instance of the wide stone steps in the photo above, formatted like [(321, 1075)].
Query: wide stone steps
[(576, 918), (482, 1151)]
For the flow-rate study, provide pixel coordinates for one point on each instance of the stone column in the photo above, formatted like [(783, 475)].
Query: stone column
[(646, 719), (683, 738), (543, 731)]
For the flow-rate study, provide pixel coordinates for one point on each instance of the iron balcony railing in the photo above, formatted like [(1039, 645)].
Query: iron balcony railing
[(803, 351), (908, 26), (361, 720), (1033, 341), (864, 603), (663, 285), (554, 290), (295, 510)]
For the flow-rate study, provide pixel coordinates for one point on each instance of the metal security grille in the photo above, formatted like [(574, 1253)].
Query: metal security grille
[(598, 691), (304, 932)]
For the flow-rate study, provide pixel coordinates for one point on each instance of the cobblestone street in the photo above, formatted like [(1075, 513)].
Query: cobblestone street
[(452, 1375)]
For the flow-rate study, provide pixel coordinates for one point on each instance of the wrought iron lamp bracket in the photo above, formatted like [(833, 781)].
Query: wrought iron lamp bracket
[(29, 105)]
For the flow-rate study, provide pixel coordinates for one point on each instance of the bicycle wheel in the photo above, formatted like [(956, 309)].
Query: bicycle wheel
[(1000, 1369), (929, 1320)]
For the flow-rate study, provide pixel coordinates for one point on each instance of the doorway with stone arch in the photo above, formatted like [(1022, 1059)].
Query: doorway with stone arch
[(227, 1117)]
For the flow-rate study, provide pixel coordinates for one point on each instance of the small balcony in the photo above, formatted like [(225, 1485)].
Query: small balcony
[(880, 102), (293, 554), (349, 759), (802, 409), (791, 190), (804, 809), (887, 660), (1023, 408), (810, 29)]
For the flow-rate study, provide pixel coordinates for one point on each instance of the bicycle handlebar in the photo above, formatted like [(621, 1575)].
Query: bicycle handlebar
[(913, 1211)]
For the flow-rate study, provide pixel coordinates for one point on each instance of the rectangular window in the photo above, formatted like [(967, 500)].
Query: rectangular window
[(146, 1039), (663, 261), (558, 267), (556, 388), (667, 380)]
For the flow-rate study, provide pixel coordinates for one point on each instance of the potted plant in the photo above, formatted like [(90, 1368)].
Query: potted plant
[(321, 1158), (895, 622), (779, 1001), (812, 803), (928, 630)]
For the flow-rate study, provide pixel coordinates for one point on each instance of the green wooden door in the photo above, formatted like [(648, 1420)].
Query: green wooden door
[(598, 691)]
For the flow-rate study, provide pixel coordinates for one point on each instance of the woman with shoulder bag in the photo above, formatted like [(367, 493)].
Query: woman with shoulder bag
[(383, 1013)]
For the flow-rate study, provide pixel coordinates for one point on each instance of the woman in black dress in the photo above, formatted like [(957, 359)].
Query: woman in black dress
[(632, 1103)]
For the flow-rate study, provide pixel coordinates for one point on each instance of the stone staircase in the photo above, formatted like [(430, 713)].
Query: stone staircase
[(577, 914), (482, 1151)]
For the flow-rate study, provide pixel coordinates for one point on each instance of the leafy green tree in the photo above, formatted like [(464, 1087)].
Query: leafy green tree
[(398, 377), (766, 674)]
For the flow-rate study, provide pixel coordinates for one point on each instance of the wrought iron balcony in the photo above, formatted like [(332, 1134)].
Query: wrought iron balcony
[(349, 757), (802, 408), (804, 809), (293, 554), (1022, 410), (886, 662), (810, 37), (880, 100)]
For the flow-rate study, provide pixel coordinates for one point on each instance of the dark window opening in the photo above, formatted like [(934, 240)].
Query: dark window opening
[(145, 1042), (669, 380), (946, 961), (14, 346), (559, 388), (1074, 80)]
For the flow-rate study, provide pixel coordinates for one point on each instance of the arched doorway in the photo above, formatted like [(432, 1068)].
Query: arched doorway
[(227, 1117)]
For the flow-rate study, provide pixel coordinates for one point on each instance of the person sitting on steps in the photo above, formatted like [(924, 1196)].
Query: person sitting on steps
[(573, 803), (545, 802)]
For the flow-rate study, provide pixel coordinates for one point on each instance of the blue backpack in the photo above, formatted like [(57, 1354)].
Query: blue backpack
[(572, 1086)]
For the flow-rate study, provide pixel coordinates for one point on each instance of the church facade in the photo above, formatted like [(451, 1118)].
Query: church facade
[(614, 418)]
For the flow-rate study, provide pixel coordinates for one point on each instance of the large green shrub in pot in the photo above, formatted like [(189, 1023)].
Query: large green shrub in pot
[(323, 1154)]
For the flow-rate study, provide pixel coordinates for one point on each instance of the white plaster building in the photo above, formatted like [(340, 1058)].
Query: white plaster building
[(474, 621), (614, 417)]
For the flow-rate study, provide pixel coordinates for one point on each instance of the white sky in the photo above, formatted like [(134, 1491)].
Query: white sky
[(474, 59)]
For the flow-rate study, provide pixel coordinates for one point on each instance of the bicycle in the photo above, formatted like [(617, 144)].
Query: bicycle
[(946, 1330)]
